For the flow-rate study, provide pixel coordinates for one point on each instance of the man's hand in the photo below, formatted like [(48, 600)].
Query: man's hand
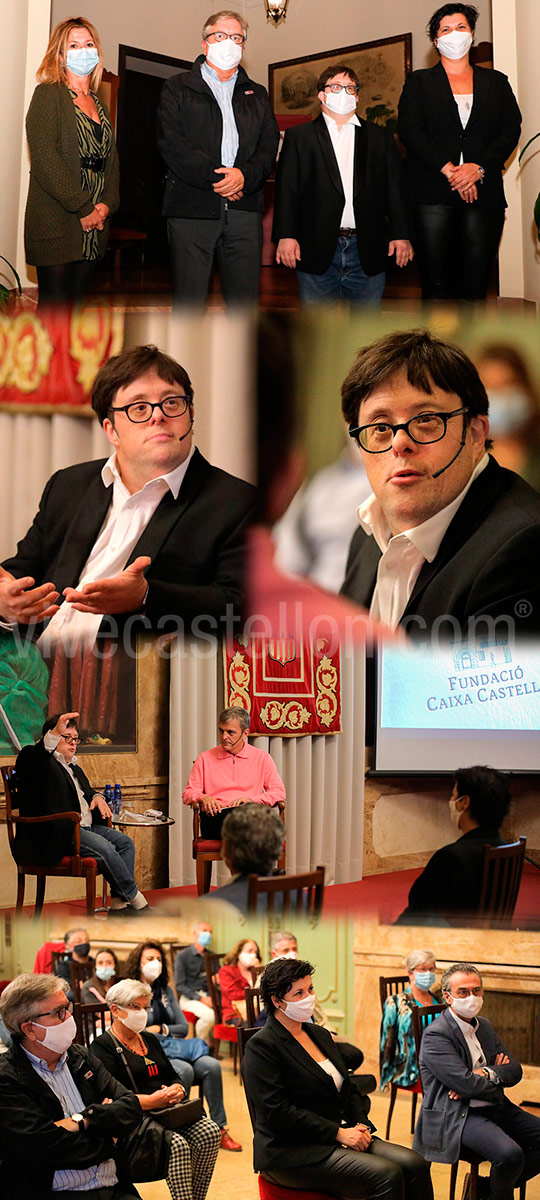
[(288, 252), (454, 1095), (241, 800), (61, 727), (356, 1137), (209, 804), (100, 803), (69, 1124), (231, 184), (403, 251), (122, 593), (501, 1060), (21, 601)]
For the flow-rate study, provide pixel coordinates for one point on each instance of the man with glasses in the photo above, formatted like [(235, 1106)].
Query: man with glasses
[(155, 530), (61, 1112), (448, 540), (219, 139), (50, 780), (340, 207), (465, 1069)]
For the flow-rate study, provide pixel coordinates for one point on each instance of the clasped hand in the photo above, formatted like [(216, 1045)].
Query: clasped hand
[(231, 187), (170, 1095), (355, 1137)]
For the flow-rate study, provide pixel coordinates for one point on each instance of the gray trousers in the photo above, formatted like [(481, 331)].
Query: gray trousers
[(234, 239)]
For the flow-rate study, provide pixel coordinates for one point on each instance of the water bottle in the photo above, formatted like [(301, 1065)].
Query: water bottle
[(117, 800), (108, 793)]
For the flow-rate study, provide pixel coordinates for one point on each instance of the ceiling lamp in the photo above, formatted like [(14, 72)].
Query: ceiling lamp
[(276, 10)]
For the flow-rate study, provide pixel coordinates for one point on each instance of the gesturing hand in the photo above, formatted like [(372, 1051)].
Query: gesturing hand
[(122, 593), (21, 601)]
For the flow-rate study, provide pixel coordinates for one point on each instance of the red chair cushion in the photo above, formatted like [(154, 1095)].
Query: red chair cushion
[(64, 864), (191, 1018), (226, 1033), (274, 1191), (208, 845), (410, 1087)]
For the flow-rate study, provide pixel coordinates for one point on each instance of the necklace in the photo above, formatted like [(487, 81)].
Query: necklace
[(137, 1050), (79, 91)]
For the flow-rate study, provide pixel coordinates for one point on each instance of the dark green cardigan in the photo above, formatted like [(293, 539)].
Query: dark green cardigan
[(52, 228)]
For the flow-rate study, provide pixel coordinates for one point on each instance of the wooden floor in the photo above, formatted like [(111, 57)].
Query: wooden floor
[(234, 1178)]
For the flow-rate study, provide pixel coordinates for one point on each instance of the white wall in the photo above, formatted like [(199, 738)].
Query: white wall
[(529, 98)]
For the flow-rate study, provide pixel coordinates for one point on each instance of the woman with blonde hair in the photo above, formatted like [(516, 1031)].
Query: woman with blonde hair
[(397, 1048), (73, 165)]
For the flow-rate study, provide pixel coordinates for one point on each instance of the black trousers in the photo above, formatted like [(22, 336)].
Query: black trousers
[(115, 1193), (235, 239), (384, 1171), (65, 283), (211, 824), (509, 1140), (455, 248)]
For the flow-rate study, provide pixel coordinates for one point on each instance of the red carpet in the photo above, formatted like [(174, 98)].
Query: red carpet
[(381, 896)]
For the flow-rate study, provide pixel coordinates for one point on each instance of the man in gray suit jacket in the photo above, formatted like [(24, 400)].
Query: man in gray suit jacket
[(465, 1069)]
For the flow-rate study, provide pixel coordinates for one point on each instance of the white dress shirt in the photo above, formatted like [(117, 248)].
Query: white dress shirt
[(404, 554), (343, 139), (478, 1058), (127, 517), (50, 741)]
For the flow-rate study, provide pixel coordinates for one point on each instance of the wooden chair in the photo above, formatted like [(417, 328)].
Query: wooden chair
[(78, 972), (174, 948), (208, 850), (267, 1189), (221, 1032), (71, 866), (502, 869), (253, 1005), (297, 896), (91, 1020), (388, 986), (422, 1016)]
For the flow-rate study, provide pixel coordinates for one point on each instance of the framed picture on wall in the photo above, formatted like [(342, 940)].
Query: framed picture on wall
[(381, 67)]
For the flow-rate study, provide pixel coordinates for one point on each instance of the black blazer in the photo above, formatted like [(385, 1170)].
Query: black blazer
[(44, 786), (297, 1107), (445, 1065), (105, 1050), (488, 561), (430, 127), (310, 198), (195, 542), (450, 882), (32, 1147)]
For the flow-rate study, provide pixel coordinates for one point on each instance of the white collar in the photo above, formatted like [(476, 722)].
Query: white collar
[(468, 1028), (427, 537), (333, 127), (173, 479)]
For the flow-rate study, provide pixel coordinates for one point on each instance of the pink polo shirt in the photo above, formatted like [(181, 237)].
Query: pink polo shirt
[(251, 773)]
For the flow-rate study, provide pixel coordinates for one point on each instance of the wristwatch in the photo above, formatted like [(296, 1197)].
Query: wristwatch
[(78, 1117)]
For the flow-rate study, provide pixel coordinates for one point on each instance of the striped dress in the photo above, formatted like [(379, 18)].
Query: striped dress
[(93, 139)]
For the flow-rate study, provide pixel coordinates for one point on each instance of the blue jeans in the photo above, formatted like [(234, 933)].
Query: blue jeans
[(191, 1060), (115, 856), (344, 279)]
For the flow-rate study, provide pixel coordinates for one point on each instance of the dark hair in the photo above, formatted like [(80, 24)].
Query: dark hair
[(133, 964), (448, 10), (253, 835), (336, 69), (464, 967), (74, 929), (232, 956), (513, 358), (107, 950), (278, 977), (125, 368), (426, 360), (51, 722), (488, 792)]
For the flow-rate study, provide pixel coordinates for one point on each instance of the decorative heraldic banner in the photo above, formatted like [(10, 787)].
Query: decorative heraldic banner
[(48, 362), (289, 688)]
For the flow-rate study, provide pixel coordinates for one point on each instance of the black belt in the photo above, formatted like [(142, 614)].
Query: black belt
[(347, 233), (93, 162)]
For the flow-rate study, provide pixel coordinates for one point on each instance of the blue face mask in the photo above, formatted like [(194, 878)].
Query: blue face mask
[(424, 980), (82, 61), (105, 973), (204, 938)]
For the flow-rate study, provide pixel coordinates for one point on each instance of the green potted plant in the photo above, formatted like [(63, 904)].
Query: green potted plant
[(4, 291), (537, 205)]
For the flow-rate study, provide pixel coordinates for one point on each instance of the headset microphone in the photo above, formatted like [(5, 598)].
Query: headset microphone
[(452, 460), (185, 435)]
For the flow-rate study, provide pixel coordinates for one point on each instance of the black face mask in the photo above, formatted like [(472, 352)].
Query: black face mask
[(82, 949)]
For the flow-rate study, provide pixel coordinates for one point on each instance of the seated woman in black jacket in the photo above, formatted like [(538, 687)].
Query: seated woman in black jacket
[(136, 1059), (312, 1128)]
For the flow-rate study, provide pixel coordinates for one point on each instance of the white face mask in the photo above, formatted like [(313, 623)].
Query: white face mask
[(509, 410), (467, 1006), (340, 102), (247, 957), (224, 55), (288, 954), (454, 45), (58, 1037), (151, 969), (455, 812), (299, 1010), (135, 1019)]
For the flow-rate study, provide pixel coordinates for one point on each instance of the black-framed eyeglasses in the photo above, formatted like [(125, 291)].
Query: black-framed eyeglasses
[(143, 410), (350, 88), (64, 1011), (220, 36), (424, 429), (72, 741)]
